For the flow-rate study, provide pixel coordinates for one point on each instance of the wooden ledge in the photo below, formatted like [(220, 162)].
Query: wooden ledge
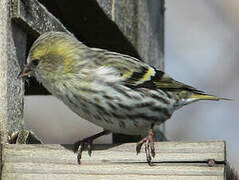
[(174, 160), (35, 17)]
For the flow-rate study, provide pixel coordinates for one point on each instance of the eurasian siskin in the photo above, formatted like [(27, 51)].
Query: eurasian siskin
[(117, 92)]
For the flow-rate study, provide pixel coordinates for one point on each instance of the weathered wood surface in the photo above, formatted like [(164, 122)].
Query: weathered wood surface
[(11, 88), (12, 53), (174, 160), (35, 17), (142, 22)]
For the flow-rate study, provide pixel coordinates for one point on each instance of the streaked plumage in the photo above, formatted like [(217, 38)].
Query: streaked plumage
[(117, 92)]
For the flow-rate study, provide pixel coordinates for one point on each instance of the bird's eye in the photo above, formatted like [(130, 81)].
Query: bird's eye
[(35, 62)]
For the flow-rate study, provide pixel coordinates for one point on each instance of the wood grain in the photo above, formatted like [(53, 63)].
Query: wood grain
[(174, 160), (35, 17)]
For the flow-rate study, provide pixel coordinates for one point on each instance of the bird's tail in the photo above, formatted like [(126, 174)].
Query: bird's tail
[(197, 96), (202, 96)]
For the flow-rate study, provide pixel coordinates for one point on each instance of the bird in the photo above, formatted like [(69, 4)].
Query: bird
[(117, 92)]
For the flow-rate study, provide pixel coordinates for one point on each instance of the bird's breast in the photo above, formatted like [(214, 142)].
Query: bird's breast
[(117, 108)]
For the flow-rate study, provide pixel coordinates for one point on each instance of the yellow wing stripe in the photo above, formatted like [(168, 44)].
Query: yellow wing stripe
[(127, 74), (147, 76)]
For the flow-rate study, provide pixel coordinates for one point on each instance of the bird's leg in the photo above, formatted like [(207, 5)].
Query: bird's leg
[(149, 145), (86, 144)]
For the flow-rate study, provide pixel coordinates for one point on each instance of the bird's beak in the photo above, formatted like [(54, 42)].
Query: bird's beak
[(25, 72)]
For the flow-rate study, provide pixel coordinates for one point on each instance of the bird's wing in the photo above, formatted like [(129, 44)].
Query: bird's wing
[(152, 78), (136, 74)]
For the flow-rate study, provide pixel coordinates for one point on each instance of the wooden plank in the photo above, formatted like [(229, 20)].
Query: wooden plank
[(165, 152), (112, 171), (13, 46), (35, 17), (174, 161), (107, 177)]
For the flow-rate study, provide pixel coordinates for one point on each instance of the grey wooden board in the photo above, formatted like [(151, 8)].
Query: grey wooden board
[(114, 162), (107, 6), (12, 53), (165, 152), (35, 17), (142, 22), (112, 171), (107, 177)]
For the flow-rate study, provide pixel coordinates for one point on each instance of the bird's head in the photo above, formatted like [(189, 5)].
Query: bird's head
[(52, 53)]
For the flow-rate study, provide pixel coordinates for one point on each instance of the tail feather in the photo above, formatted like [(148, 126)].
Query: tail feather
[(200, 96)]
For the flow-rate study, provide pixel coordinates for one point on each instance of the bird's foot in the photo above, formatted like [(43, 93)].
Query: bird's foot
[(86, 145), (83, 145), (149, 146)]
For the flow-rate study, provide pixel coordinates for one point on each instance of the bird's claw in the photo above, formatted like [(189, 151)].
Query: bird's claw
[(84, 145), (87, 144), (151, 144), (149, 147), (149, 150), (138, 147)]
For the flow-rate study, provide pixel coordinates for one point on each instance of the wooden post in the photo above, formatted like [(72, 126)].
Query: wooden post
[(13, 46), (142, 22), (12, 55)]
